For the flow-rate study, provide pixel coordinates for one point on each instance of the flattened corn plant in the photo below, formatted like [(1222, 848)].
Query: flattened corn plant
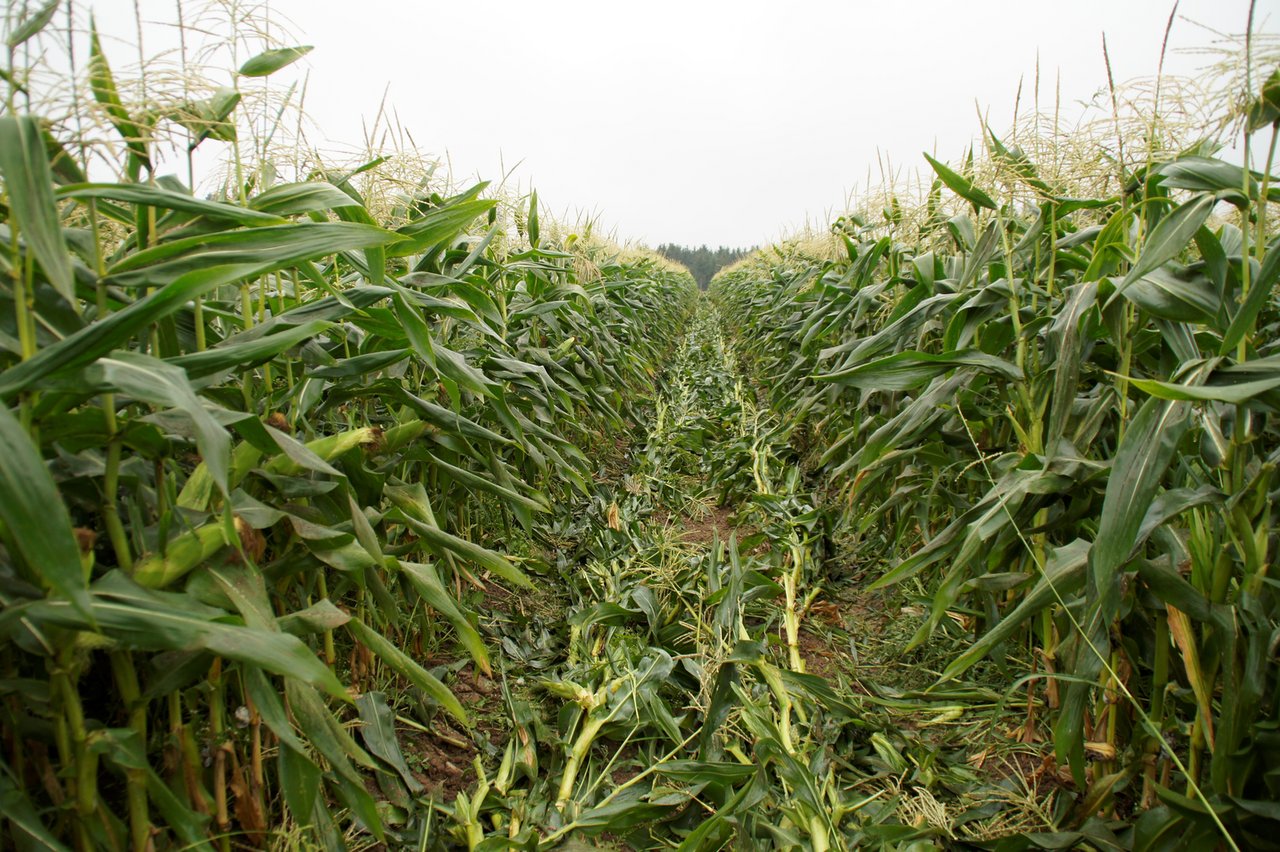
[(682, 721), (252, 449), (1060, 414)]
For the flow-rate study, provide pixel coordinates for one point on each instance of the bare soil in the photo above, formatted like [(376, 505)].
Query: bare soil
[(704, 530), (443, 758)]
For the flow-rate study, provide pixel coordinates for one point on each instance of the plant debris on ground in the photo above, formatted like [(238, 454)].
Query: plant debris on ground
[(352, 509)]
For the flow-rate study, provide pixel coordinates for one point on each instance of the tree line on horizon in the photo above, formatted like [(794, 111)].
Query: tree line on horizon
[(703, 262)]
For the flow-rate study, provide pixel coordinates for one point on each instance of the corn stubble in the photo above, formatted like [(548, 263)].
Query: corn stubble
[(949, 529)]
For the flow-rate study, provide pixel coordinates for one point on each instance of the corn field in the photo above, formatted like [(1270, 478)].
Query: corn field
[(365, 511)]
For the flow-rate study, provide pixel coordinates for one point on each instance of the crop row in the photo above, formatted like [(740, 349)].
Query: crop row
[(1058, 416)]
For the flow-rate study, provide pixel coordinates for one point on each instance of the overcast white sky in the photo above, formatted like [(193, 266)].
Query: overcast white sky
[(714, 122)]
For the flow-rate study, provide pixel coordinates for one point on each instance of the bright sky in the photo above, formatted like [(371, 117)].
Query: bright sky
[(716, 122)]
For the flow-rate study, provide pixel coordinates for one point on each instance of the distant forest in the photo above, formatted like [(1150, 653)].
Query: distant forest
[(703, 262)]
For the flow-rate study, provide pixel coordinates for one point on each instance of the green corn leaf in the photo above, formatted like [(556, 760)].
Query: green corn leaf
[(1159, 829), (467, 291), (1145, 453), (1178, 295), (478, 482), (1110, 244), (1168, 239), (32, 24), (427, 583), (143, 619), (103, 85), (24, 163), (37, 525), (1066, 337), (453, 366), (706, 772), (627, 810), (450, 421), (247, 349), (914, 420), (454, 307), (293, 199), (25, 825), (1242, 322), (438, 226), (317, 618), (1203, 174), (1063, 576), (1266, 109), (907, 370), (1148, 448), (316, 455), (1233, 393), (961, 185), (156, 196), (99, 338), (266, 249), (415, 509), (65, 168), (378, 730), (360, 365), (267, 701), (404, 666), (299, 781), (324, 732), (150, 380), (415, 329), (270, 61), (210, 119)]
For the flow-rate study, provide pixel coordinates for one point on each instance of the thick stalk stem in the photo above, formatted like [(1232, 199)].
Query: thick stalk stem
[(126, 678), (578, 754), (83, 780), (217, 727)]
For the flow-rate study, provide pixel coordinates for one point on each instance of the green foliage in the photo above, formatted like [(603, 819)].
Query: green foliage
[(269, 463), (1065, 429), (254, 447), (702, 262)]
